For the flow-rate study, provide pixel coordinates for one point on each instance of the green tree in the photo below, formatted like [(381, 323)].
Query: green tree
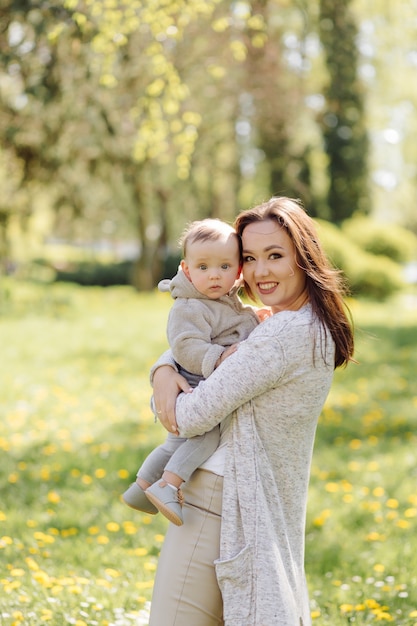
[(343, 124)]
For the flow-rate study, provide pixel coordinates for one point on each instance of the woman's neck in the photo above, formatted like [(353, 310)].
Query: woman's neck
[(297, 304)]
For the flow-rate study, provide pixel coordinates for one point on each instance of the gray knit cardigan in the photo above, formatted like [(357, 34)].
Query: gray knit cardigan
[(274, 387)]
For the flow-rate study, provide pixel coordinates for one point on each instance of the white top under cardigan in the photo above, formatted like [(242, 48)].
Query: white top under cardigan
[(274, 387)]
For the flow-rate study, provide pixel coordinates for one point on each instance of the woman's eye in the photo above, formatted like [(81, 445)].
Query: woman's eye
[(275, 255), (247, 259)]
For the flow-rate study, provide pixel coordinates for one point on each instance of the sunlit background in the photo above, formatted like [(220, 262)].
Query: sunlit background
[(120, 121)]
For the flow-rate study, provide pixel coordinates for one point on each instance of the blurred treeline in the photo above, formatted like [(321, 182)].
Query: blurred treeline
[(122, 120)]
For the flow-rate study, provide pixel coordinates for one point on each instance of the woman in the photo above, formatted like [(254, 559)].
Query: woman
[(239, 558)]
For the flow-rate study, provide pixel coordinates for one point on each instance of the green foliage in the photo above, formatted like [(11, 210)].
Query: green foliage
[(75, 425), (97, 274), (390, 240), (368, 275), (343, 121)]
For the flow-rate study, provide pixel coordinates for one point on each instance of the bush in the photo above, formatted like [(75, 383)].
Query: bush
[(374, 277), (368, 275), (390, 240), (96, 274)]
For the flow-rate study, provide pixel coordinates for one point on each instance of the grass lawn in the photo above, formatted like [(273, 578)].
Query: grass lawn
[(75, 425)]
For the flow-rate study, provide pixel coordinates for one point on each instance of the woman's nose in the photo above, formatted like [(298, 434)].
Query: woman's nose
[(261, 268)]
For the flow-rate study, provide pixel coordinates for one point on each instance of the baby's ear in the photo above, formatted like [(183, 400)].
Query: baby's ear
[(185, 269)]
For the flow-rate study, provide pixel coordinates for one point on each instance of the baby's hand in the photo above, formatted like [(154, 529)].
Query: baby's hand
[(227, 352), (263, 313)]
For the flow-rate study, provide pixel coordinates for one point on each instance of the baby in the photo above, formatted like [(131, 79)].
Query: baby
[(205, 325)]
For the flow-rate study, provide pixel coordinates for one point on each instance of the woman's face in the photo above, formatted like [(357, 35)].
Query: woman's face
[(270, 267)]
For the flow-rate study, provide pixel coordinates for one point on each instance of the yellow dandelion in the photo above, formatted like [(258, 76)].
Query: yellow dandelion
[(140, 551), (123, 474), (378, 492), (144, 584), (2, 516), (31, 523), (392, 503), (346, 608), (141, 599), (7, 541), (69, 532), (383, 616), (93, 530), (18, 615), (45, 473), (113, 573), (332, 487), (49, 450), (24, 599), (355, 444), (321, 519), (43, 537), (113, 527), (102, 540), (129, 528), (378, 567), (100, 473), (149, 566), (17, 571), (403, 523), (42, 578), (11, 586), (371, 603), (53, 497), (86, 479), (374, 536)]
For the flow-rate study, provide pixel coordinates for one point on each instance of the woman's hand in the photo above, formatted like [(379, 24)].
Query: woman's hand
[(167, 384)]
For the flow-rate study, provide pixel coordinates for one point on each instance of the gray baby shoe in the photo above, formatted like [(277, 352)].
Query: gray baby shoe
[(167, 500), (136, 498)]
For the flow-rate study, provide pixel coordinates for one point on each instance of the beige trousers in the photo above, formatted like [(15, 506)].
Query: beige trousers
[(186, 592)]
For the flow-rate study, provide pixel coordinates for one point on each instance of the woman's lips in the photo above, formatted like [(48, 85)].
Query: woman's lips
[(267, 287)]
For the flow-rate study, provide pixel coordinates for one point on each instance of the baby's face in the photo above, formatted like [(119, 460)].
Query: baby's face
[(213, 266)]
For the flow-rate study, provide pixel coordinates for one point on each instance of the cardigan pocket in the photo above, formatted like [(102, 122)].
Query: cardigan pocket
[(235, 578)]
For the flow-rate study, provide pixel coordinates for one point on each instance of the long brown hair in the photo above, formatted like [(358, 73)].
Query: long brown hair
[(325, 285)]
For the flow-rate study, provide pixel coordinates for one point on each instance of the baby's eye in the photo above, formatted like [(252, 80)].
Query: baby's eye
[(225, 266), (202, 267)]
